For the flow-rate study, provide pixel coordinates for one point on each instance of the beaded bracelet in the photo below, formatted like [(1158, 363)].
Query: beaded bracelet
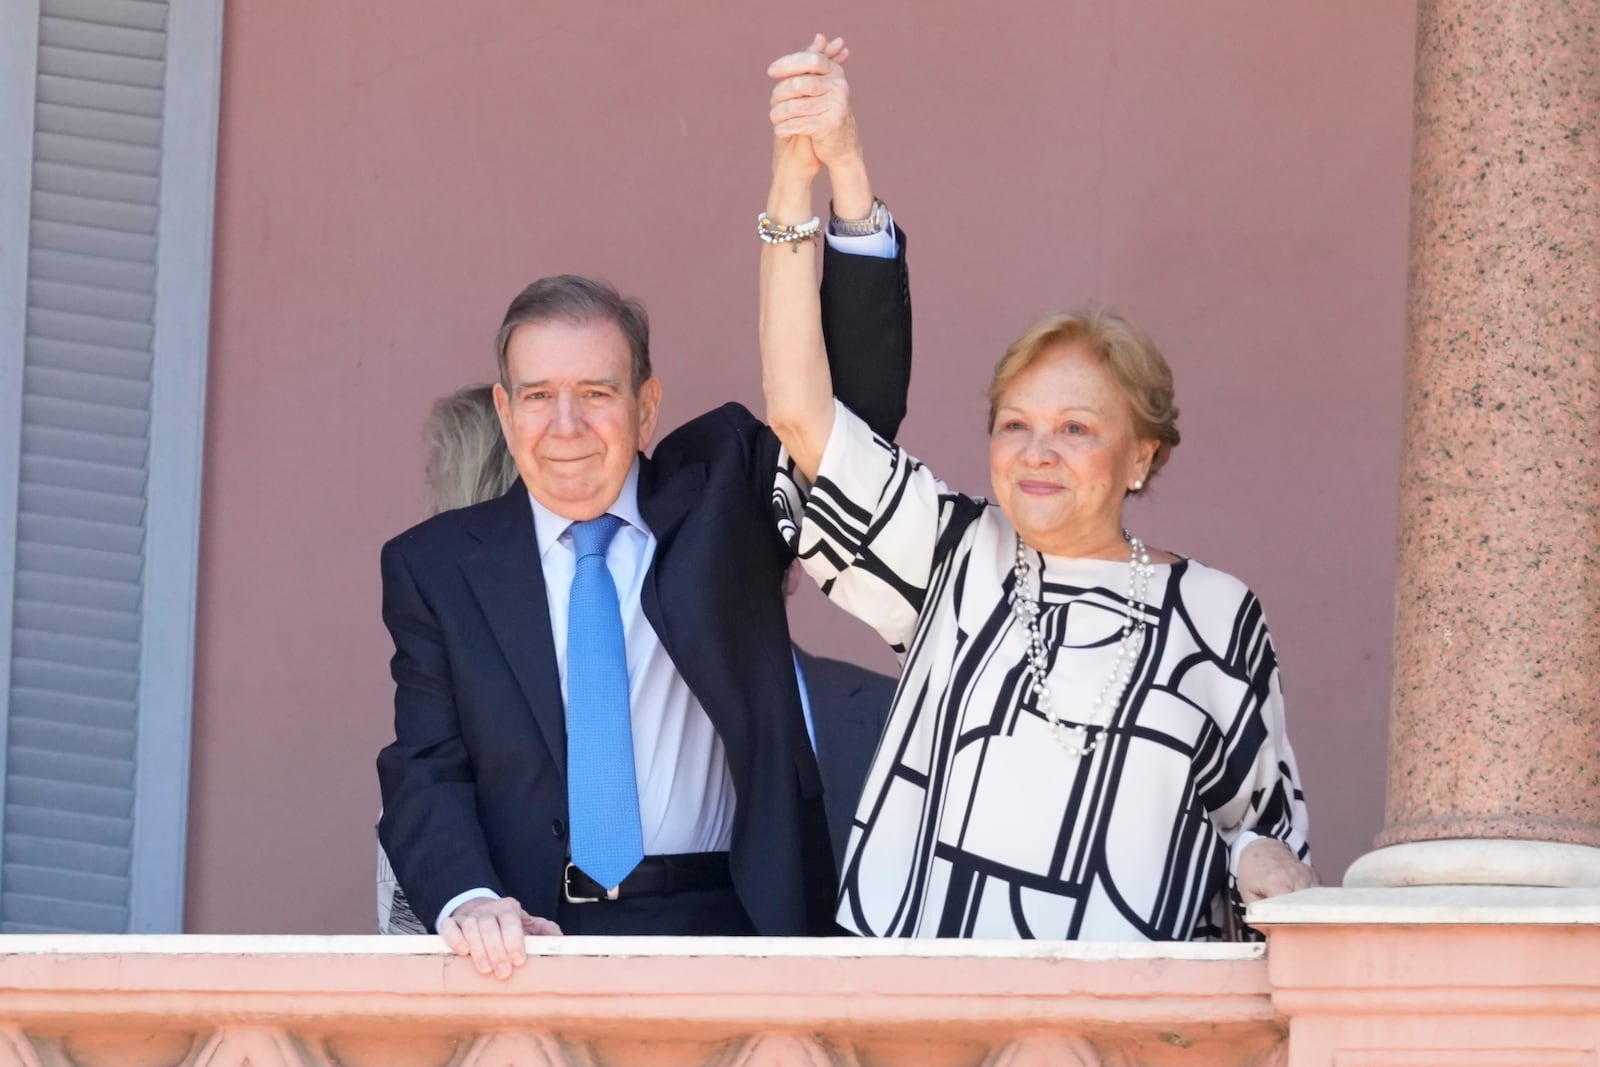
[(777, 233)]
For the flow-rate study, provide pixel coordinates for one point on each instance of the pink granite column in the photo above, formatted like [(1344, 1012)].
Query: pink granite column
[(1494, 754)]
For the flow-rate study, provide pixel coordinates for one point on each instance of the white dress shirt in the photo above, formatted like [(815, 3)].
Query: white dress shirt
[(686, 795), (685, 790), (805, 698)]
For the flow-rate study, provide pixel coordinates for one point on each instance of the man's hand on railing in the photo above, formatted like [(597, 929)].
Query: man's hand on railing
[(491, 932)]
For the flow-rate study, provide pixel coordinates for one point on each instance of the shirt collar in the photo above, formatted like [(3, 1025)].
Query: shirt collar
[(550, 527)]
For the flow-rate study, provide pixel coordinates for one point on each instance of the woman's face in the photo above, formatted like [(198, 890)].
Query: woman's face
[(1063, 454)]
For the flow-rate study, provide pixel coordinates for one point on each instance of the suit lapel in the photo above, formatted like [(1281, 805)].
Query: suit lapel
[(665, 502), (508, 580)]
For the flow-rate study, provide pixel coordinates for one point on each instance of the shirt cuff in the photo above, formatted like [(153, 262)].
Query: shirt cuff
[(880, 245), (461, 898)]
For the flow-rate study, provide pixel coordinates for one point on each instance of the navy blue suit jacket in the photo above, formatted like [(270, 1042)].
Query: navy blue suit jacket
[(848, 705), (474, 787)]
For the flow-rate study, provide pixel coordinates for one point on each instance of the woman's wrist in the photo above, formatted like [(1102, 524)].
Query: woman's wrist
[(789, 199)]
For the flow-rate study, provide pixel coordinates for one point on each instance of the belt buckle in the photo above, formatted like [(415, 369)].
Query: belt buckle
[(566, 889)]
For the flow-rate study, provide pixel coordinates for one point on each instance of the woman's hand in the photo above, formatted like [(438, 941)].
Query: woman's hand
[(1268, 869)]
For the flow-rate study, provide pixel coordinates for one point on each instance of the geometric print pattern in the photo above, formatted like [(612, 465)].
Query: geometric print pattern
[(973, 822), (394, 910)]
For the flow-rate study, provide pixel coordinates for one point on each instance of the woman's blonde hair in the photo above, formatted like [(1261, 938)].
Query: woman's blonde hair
[(1136, 365), (468, 461)]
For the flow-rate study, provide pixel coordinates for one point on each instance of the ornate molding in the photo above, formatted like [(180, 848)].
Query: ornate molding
[(503, 1048), (1047, 1050), (256, 1046), (784, 1050), (16, 1050)]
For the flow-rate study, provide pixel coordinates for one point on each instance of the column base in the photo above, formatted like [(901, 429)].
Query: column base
[(1477, 862)]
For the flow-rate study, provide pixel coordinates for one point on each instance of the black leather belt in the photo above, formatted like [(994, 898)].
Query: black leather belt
[(656, 876)]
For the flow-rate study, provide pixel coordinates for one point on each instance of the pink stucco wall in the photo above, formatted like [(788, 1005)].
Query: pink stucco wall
[(1233, 174)]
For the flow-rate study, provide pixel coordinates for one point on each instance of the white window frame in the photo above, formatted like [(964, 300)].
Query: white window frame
[(192, 92)]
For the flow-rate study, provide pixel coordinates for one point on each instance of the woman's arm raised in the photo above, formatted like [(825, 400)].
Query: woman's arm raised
[(813, 127)]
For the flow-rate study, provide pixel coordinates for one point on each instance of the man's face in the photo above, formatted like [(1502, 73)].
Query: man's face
[(571, 416)]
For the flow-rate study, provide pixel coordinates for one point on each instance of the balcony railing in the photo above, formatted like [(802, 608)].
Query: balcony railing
[(386, 1002), (1374, 978)]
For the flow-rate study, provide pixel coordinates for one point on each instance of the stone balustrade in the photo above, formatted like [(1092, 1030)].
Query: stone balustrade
[(205, 1001), (1411, 977)]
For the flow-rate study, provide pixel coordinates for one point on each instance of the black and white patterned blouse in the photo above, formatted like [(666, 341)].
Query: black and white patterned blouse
[(974, 822)]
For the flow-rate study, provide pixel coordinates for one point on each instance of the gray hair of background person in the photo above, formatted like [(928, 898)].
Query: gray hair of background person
[(576, 299), (467, 457)]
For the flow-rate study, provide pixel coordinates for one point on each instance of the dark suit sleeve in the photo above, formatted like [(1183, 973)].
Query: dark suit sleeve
[(429, 826), (866, 324)]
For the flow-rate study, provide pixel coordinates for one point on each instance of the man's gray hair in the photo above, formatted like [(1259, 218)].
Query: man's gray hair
[(579, 300)]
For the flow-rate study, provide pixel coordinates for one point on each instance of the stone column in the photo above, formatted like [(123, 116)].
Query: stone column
[(1494, 751)]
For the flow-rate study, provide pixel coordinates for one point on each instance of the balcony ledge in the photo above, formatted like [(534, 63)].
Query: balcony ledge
[(372, 1000), (1373, 977)]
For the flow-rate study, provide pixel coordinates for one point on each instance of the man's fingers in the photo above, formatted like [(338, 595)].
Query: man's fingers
[(472, 931), (490, 931), (534, 926), (808, 85), (450, 930), (800, 122), (800, 63), (803, 108), (511, 938), (494, 943), (805, 125)]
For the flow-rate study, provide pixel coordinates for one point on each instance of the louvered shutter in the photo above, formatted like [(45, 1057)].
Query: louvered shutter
[(85, 789)]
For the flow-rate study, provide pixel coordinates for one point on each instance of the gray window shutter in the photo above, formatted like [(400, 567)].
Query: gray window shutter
[(94, 769)]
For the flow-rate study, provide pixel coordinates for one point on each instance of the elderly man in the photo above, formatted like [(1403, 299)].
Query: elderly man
[(598, 728)]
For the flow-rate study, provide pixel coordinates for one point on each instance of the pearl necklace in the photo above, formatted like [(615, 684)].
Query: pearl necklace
[(1074, 739)]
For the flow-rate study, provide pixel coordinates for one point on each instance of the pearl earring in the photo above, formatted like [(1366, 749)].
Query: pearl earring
[(1138, 484)]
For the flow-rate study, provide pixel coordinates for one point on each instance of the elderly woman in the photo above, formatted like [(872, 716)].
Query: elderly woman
[(1087, 740)]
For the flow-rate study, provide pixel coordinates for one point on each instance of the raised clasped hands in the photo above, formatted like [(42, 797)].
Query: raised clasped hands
[(810, 111), (491, 931)]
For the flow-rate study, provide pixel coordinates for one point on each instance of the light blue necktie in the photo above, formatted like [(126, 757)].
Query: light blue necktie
[(602, 789)]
